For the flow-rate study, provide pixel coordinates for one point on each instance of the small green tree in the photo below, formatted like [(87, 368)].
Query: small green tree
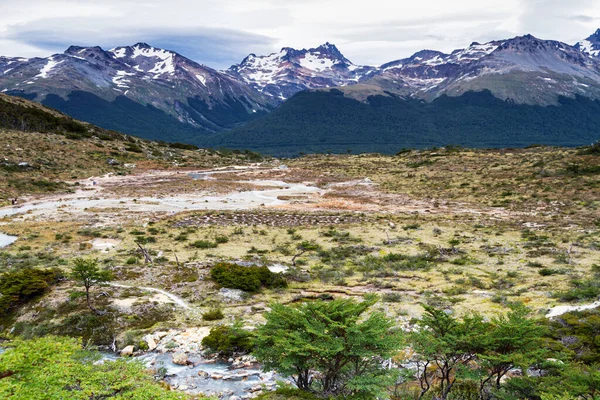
[(87, 273), (513, 340), (332, 348), (447, 343), (578, 380), (303, 248)]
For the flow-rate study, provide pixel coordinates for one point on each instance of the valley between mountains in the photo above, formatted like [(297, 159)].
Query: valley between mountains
[(301, 227), (527, 90), (470, 230)]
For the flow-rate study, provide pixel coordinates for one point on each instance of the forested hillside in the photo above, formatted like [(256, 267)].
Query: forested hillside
[(328, 121)]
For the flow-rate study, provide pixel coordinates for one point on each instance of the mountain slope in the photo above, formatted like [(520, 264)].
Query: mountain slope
[(42, 148), (591, 45), (524, 70), (166, 90), (328, 121), (159, 94), (281, 75)]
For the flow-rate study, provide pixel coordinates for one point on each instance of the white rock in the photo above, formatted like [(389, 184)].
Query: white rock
[(180, 358), (161, 335), (127, 351), (151, 343)]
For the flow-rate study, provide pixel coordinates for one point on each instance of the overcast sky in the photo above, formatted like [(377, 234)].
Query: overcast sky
[(219, 33)]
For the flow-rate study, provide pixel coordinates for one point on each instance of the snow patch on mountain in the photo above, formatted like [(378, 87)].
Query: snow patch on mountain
[(589, 48), (46, 69), (119, 52), (316, 63), (474, 52), (120, 79), (201, 79), (262, 70)]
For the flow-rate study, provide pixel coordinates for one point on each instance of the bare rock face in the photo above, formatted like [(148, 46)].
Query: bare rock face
[(127, 351)]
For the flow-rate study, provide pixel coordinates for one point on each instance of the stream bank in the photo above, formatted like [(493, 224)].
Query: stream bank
[(177, 356)]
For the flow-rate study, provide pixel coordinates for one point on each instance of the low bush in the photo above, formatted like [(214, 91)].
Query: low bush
[(19, 287), (213, 315), (229, 339), (204, 244), (248, 279)]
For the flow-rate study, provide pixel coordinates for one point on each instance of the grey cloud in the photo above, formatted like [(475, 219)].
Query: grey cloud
[(543, 18), (584, 18), (217, 48)]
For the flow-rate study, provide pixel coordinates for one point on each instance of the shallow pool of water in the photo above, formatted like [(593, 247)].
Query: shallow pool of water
[(6, 240)]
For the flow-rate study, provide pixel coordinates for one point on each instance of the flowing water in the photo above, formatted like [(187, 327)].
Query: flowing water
[(205, 376)]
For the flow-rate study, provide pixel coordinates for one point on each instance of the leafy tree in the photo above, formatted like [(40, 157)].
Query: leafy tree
[(447, 343), (511, 341), (580, 381), (579, 332), (331, 348), (303, 248), (87, 273), (56, 368)]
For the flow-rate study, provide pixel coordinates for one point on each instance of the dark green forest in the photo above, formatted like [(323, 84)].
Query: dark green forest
[(327, 121)]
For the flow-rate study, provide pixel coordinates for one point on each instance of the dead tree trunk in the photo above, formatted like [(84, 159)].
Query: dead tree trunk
[(147, 258)]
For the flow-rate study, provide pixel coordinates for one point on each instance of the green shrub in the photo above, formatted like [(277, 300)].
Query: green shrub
[(57, 368), (581, 290), (213, 315), (182, 237), (19, 287), (204, 244), (409, 227), (288, 393), (228, 340), (249, 279), (466, 260), (220, 239), (550, 271), (183, 146)]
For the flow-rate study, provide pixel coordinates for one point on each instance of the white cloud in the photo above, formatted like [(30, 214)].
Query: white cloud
[(220, 32)]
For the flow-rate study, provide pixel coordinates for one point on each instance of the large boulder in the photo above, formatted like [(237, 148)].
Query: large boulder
[(151, 342), (127, 351), (180, 358)]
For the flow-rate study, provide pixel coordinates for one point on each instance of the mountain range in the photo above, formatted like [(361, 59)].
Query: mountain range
[(298, 100)]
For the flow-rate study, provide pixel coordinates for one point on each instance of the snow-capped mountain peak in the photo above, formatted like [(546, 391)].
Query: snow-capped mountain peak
[(144, 58), (280, 75), (591, 45)]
